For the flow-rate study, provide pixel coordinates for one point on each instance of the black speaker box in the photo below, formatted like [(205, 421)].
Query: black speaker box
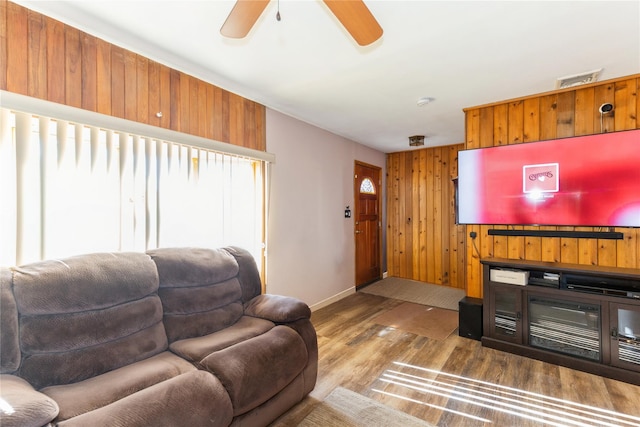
[(470, 318)]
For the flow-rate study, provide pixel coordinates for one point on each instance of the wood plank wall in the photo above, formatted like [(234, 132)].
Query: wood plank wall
[(558, 114), (44, 58), (423, 241)]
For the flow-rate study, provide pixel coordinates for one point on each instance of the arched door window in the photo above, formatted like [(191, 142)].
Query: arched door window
[(367, 186)]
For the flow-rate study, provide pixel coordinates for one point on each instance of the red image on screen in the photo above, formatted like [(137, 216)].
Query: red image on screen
[(581, 181), (540, 178)]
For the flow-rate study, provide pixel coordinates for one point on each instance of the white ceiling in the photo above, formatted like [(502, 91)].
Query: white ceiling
[(462, 53)]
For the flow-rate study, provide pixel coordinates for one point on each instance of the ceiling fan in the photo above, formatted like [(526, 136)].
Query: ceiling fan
[(352, 14)]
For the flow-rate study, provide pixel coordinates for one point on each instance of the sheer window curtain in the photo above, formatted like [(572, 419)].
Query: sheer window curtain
[(69, 188)]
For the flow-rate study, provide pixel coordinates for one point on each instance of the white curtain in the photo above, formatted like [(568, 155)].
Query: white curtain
[(68, 189)]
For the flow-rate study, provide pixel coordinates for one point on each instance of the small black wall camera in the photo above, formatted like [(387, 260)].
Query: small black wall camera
[(606, 108)]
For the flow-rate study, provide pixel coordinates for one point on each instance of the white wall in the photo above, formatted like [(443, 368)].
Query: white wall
[(311, 250)]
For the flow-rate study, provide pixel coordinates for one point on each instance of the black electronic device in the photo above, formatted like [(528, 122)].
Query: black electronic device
[(470, 318), (600, 285), (541, 278)]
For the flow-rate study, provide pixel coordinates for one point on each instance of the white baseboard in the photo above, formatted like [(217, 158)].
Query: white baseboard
[(333, 299)]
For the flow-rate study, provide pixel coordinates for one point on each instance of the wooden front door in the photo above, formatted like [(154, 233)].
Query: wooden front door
[(367, 185)]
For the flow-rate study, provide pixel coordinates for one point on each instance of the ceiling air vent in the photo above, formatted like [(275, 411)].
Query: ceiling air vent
[(416, 140), (578, 79)]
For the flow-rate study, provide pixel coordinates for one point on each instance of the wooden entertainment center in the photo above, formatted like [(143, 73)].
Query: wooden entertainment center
[(579, 316)]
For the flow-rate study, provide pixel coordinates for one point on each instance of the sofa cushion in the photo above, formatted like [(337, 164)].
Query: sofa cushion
[(79, 329), (197, 311), (85, 396), (184, 267), (255, 370), (83, 316), (196, 349), (277, 308), (9, 344), (194, 398), (200, 290), (22, 406), (269, 411), (84, 282), (249, 276)]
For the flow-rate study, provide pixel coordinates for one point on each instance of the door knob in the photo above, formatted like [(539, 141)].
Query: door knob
[(358, 231)]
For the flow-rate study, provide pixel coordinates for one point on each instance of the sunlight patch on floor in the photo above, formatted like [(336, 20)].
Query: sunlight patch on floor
[(535, 407)]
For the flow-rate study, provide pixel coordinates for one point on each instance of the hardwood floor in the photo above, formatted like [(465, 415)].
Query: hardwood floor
[(455, 382)]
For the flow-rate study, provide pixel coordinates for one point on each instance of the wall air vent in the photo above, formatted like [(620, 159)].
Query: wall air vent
[(578, 79), (416, 140)]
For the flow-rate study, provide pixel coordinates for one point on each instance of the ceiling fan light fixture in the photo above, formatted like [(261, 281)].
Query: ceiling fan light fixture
[(425, 100), (354, 16)]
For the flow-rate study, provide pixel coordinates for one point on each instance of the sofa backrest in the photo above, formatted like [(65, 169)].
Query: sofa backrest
[(204, 290), (249, 276), (83, 316), (9, 345)]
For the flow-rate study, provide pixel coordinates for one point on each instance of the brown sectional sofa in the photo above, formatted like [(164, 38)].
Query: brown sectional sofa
[(173, 337)]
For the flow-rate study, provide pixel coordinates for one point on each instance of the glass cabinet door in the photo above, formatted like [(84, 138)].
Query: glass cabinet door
[(506, 312), (625, 336), (570, 327)]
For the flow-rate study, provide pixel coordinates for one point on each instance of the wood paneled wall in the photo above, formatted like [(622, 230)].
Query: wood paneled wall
[(559, 114), (44, 58), (423, 241)]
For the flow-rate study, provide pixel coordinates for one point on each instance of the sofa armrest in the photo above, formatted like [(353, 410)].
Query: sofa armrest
[(277, 308), (21, 405)]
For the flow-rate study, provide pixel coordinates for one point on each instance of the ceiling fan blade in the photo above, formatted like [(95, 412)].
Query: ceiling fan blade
[(242, 17), (356, 19)]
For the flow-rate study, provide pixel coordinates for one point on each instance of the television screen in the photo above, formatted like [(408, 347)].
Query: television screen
[(580, 181)]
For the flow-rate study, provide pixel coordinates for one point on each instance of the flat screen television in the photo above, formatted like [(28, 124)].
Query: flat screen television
[(579, 181)]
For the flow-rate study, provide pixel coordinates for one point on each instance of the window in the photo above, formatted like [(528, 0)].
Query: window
[(69, 188), (367, 186)]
